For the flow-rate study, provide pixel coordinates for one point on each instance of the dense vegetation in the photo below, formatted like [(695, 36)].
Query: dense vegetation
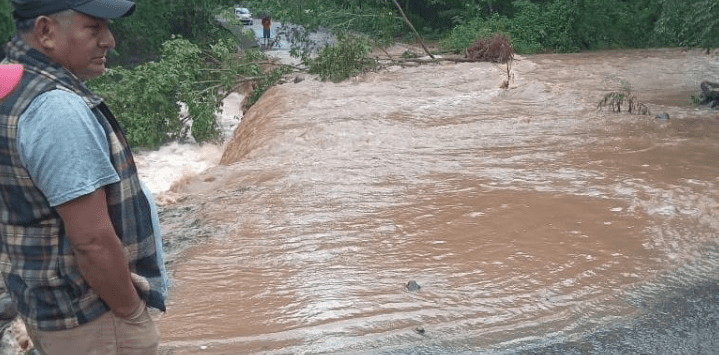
[(534, 25), (177, 52)]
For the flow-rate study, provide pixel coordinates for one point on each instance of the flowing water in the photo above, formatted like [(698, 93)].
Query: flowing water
[(523, 214)]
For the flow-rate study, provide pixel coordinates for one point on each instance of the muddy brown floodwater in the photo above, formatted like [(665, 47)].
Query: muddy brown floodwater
[(523, 214)]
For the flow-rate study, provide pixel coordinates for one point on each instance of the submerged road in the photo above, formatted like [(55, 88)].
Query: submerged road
[(534, 223)]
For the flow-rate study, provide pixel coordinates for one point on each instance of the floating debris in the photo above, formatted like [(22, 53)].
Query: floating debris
[(412, 285)]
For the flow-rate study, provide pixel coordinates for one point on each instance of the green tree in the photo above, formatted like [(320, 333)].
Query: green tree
[(146, 98), (7, 27), (141, 35), (346, 58), (689, 23)]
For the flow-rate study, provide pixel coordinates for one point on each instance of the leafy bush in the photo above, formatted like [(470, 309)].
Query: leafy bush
[(692, 23), (623, 99), (146, 99), (462, 36), (346, 58)]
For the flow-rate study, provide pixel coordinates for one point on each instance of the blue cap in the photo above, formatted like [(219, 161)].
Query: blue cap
[(106, 9)]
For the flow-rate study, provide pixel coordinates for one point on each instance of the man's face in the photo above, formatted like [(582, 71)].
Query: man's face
[(81, 44)]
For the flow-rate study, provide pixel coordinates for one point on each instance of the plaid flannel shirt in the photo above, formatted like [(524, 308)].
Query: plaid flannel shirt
[(36, 259)]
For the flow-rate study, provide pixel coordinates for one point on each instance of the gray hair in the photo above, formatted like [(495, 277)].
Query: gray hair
[(25, 26)]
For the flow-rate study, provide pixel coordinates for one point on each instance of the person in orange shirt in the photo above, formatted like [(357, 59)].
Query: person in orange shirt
[(266, 23)]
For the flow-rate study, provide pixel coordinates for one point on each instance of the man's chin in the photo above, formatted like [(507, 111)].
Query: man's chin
[(92, 74)]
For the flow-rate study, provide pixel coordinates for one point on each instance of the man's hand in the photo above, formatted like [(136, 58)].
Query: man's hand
[(99, 252)]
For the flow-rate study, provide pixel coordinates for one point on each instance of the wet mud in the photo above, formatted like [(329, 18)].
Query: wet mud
[(531, 221)]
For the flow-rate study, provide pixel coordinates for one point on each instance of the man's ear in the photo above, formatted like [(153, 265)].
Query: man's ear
[(45, 31)]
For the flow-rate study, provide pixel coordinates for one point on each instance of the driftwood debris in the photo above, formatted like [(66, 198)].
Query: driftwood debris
[(495, 49), (710, 94)]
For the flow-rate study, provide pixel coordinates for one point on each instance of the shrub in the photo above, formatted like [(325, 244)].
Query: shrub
[(623, 99), (462, 36), (146, 99), (692, 23), (346, 58)]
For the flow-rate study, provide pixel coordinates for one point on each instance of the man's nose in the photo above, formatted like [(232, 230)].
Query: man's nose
[(108, 40)]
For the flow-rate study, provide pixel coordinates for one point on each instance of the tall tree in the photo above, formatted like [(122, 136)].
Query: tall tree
[(7, 27)]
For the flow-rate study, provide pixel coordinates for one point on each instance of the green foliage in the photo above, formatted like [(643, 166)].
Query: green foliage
[(228, 14), (693, 23), (565, 25), (346, 58), (409, 54), (615, 23), (462, 36), (623, 99), (534, 25), (146, 99), (375, 18), (7, 27), (695, 100), (542, 27), (264, 82), (140, 36)]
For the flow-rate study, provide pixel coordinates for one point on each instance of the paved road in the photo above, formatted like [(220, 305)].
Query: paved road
[(685, 322)]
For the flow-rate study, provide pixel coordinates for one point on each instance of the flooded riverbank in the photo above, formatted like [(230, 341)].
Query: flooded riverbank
[(524, 214)]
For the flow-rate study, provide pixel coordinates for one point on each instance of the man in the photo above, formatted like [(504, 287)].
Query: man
[(77, 247), (266, 23)]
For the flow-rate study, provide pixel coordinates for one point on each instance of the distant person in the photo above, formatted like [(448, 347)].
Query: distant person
[(79, 250), (266, 24)]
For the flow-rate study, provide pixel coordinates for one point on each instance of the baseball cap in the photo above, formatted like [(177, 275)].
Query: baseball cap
[(10, 75), (106, 9)]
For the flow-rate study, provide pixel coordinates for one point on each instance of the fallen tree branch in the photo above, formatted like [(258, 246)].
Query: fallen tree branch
[(413, 30), (434, 60)]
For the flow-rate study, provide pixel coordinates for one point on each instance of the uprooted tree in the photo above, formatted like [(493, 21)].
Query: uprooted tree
[(494, 49)]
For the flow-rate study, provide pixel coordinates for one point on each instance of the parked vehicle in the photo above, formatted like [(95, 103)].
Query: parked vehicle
[(243, 15)]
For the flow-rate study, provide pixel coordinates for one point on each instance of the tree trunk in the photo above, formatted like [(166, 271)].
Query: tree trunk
[(413, 30)]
